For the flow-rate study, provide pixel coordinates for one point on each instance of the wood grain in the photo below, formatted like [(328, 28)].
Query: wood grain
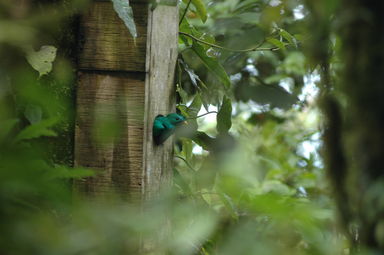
[(106, 43), (116, 100), (123, 87), (159, 95)]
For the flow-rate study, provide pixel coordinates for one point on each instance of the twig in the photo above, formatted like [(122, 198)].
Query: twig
[(186, 162), (185, 12), (257, 48), (202, 115)]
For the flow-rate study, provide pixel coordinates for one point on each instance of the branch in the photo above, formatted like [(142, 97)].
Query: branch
[(185, 12), (257, 48)]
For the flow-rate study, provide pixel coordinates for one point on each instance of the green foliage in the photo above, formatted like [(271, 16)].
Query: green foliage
[(36, 130), (244, 182), (200, 8), (201, 51)]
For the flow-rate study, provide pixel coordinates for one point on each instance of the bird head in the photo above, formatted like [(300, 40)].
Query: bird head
[(176, 119)]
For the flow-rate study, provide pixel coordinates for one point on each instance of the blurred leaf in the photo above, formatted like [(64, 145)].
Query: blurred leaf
[(64, 172), (200, 8), (195, 106), (204, 140), (287, 36), (294, 63), (229, 205), (6, 127), (183, 110), (265, 94), (42, 60), (33, 113), (250, 18), (124, 10), (276, 42), (224, 116), (192, 112), (277, 187), (187, 149), (17, 33), (212, 64), (183, 95), (191, 73), (181, 182), (36, 130)]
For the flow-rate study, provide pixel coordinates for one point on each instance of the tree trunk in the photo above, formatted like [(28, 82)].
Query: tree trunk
[(122, 86), (354, 138)]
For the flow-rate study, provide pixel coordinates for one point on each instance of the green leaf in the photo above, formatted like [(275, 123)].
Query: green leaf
[(183, 95), (193, 110), (277, 187), (223, 118), (183, 110), (212, 64), (33, 113), (124, 10), (37, 130), (42, 60), (276, 42), (229, 204), (187, 149), (265, 94), (200, 8), (195, 106), (191, 73), (287, 36), (204, 140)]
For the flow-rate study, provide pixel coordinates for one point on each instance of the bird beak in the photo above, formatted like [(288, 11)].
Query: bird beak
[(185, 122)]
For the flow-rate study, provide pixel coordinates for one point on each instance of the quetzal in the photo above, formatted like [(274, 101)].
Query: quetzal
[(165, 126)]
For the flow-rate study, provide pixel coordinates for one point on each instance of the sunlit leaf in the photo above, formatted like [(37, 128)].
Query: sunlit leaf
[(183, 110), (276, 42), (287, 36), (42, 60), (124, 10)]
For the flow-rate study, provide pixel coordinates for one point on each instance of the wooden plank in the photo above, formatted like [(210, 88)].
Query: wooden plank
[(132, 84), (106, 42), (159, 94), (117, 99)]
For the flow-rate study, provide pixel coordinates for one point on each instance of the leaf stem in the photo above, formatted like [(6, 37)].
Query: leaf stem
[(185, 12), (202, 115), (257, 48)]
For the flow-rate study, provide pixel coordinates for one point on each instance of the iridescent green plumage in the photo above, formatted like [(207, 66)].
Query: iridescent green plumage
[(165, 126)]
